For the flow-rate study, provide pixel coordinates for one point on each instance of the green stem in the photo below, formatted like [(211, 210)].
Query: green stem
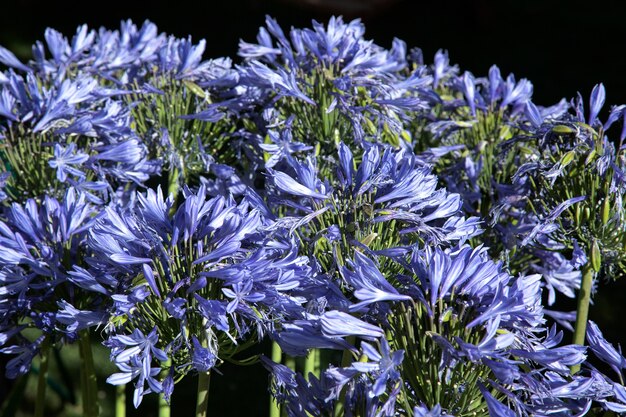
[(204, 379), (12, 402), (120, 401), (277, 355), (164, 408), (290, 362), (582, 310), (40, 404), (346, 360), (312, 363), (90, 387)]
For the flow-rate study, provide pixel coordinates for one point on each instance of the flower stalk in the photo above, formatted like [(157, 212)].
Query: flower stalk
[(346, 359), (164, 408), (88, 373), (120, 400), (312, 363), (204, 380), (582, 309), (277, 355), (42, 384)]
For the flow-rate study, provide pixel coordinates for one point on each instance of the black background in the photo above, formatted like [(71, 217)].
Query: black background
[(562, 47)]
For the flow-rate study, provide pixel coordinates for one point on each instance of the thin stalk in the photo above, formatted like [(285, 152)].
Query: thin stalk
[(68, 382), (582, 310), (90, 387), (312, 363), (346, 360), (12, 402), (290, 362), (164, 408), (40, 404), (277, 355), (120, 401), (204, 379), (346, 357)]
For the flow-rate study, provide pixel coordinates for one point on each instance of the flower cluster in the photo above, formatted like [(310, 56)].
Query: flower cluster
[(397, 224)]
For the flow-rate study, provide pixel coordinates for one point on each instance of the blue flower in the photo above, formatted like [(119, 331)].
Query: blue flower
[(442, 68), (135, 370), (469, 90), (283, 377), (289, 185), (203, 359), (338, 324), (9, 59), (495, 407), (546, 225), (369, 285), (604, 350), (297, 337), (39, 242), (284, 82), (241, 292), (137, 344), (21, 364), (205, 266), (63, 160), (596, 101), (382, 363), (60, 103), (77, 320), (7, 105)]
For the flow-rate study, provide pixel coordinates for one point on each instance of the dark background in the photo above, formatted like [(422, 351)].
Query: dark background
[(561, 46)]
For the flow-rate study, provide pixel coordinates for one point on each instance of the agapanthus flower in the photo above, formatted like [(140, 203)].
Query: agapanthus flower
[(460, 319), (603, 349), (101, 52), (469, 137), (360, 388), (382, 365), (153, 71), (612, 356), (207, 267), (64, 159), (578, 180), (324, 84), (324, 192), (47, 122), (42, 244), (388, 200)]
